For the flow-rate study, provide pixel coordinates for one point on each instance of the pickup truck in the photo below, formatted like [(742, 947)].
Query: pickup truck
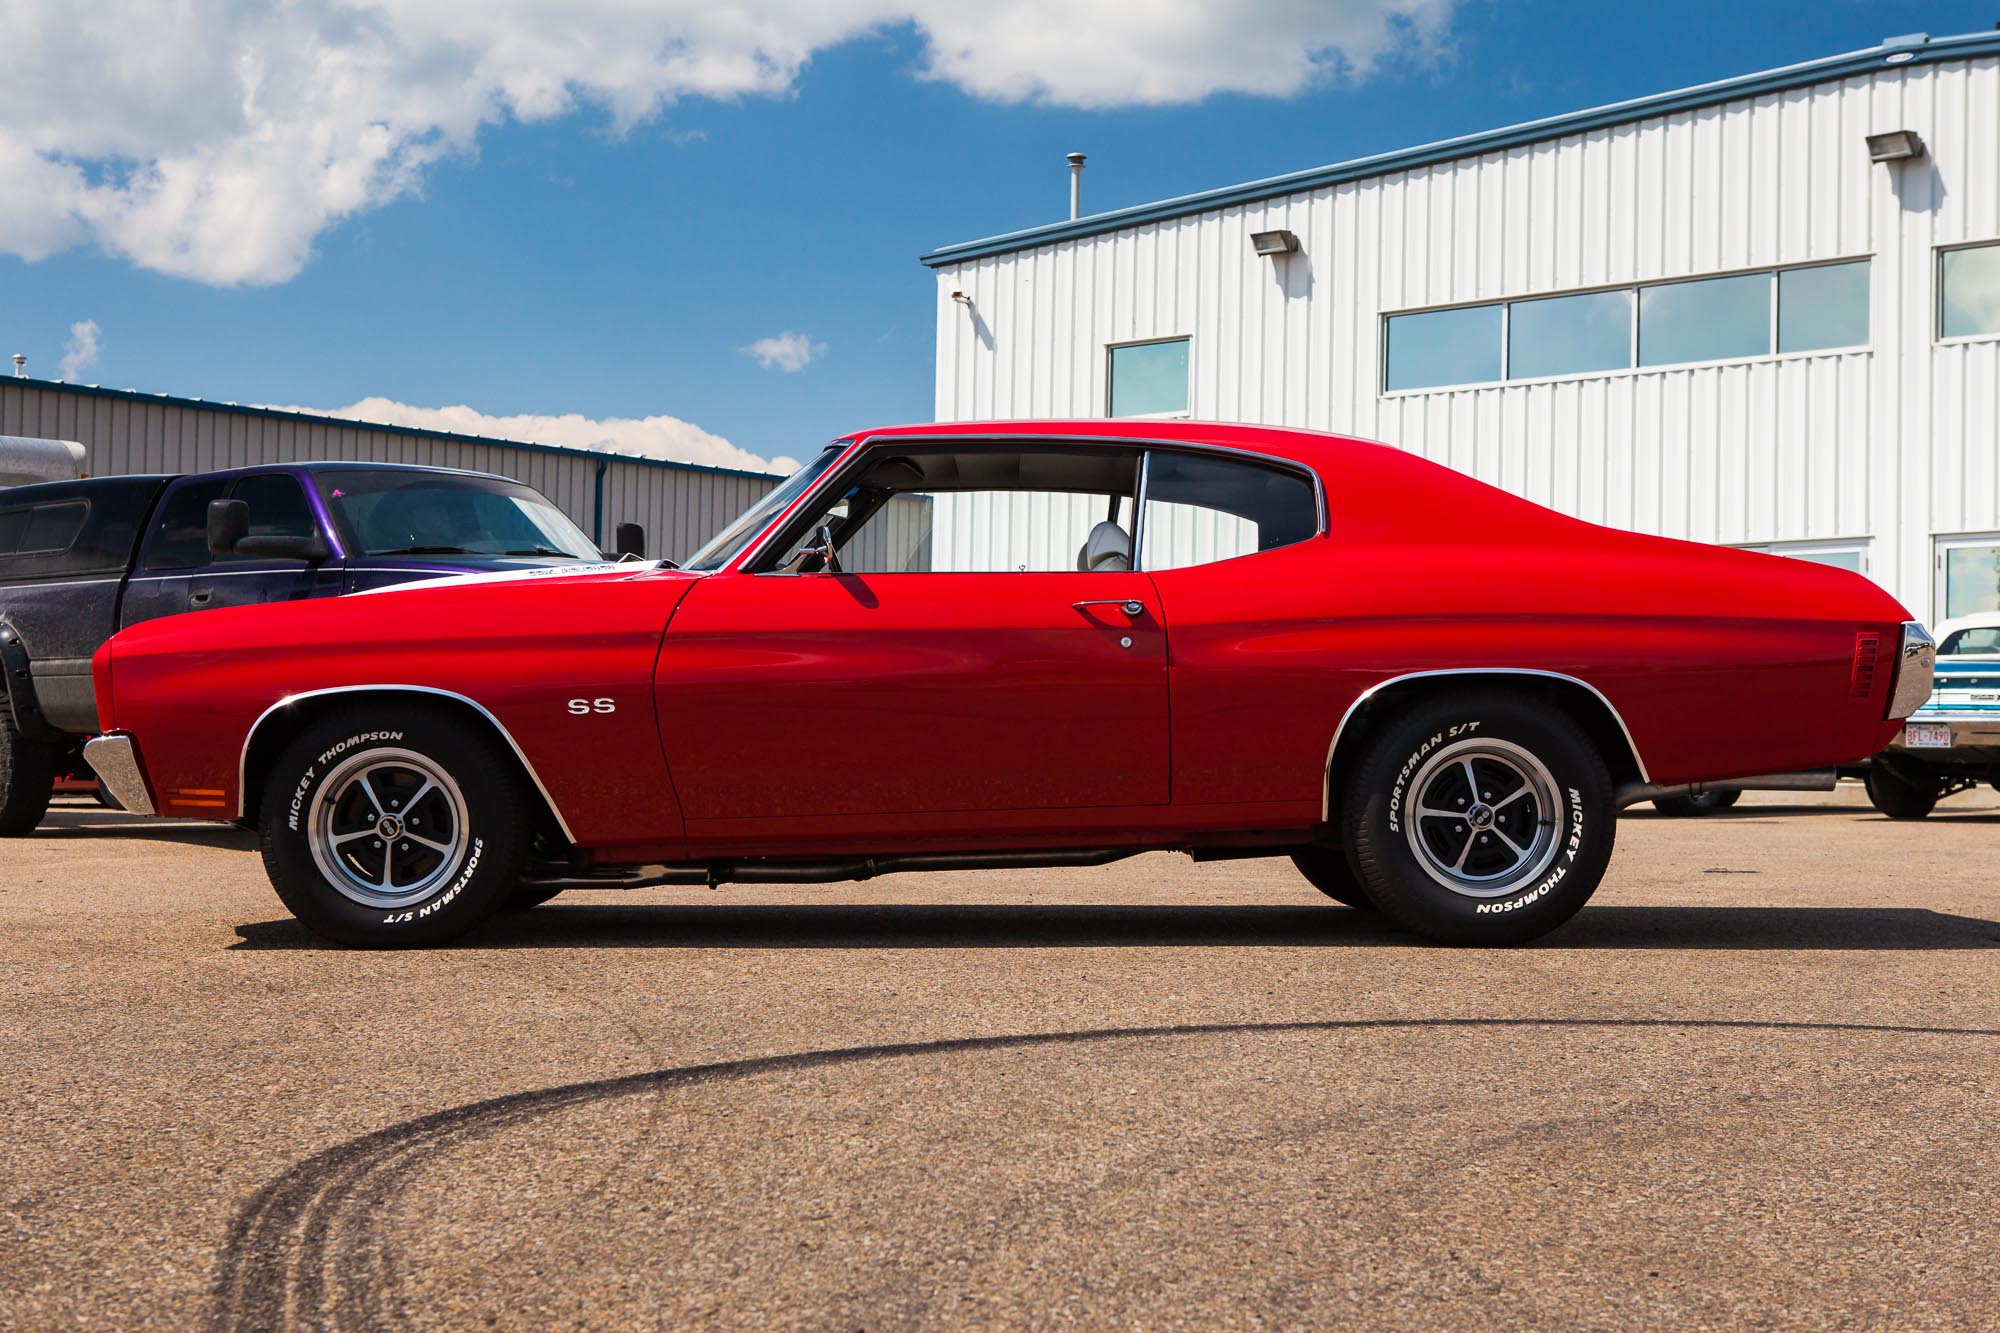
[(81, 560)]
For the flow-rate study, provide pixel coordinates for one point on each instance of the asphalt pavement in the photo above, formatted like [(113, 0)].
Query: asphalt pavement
[(1756, 1083)]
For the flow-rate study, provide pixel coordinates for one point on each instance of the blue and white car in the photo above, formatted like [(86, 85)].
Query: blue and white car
[(1952, 743)]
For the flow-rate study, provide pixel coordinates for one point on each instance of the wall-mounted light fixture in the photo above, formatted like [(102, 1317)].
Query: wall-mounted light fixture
[(1895, 146), (1274, 243)]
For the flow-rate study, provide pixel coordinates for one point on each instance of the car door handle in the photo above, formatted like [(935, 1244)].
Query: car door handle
[(1130, 606), (200, 596)]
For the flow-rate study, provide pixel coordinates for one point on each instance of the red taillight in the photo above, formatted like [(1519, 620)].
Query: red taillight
[(1867, 652)]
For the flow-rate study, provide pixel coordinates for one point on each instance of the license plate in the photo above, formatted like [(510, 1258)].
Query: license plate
[(1927, 736)]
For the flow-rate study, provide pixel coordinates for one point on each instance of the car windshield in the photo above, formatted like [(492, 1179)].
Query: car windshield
[(392, 512), (722, 547)]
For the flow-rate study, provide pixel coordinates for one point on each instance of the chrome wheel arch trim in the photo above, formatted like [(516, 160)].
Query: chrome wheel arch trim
[(243, 756), (1326, 774)]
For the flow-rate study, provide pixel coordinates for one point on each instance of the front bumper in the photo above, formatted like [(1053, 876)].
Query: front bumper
[(115, 760)]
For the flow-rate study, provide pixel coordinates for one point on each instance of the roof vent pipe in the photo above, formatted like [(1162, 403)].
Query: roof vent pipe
[(1075, 186), (20, 366)]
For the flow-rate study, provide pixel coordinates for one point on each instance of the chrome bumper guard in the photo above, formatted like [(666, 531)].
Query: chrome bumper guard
[(1914, 667), (116, 762)]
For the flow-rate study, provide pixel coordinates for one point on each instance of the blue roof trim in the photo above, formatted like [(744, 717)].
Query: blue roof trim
[(380, 427), (1913, 49)]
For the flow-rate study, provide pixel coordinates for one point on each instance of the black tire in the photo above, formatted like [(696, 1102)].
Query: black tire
[(1326, 869), (1897, 797), (323, 787), (27, 778), (1534, 764), (527, 897), (1693, 807)]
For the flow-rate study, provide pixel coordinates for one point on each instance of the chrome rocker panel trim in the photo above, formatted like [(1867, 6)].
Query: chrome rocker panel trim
[(116, 762), (1326, 776), (243, 757)]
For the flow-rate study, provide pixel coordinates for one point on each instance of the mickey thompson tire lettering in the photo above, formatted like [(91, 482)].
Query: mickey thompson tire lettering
[(497, 822), (295, 809), (1571, 843), (1570, 849)]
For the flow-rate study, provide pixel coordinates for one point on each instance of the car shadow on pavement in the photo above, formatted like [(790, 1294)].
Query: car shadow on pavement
[(1860, 814), (568, 925), (65, 823)]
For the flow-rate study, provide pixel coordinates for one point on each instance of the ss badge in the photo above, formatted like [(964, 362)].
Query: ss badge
[(585, 707)]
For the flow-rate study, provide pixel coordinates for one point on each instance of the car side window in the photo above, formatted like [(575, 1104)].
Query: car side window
[(179, 539), (1200, 509), (979, 510), (278, 508)]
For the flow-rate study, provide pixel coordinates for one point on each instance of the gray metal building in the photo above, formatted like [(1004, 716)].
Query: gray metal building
[(680, 504)]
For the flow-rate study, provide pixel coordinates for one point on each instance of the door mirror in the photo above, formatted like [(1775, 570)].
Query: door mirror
[(228, 534), (228, 524), (817, 556), (631, 541)]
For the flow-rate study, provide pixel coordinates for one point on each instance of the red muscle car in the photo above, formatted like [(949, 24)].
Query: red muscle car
[(1019, 644)]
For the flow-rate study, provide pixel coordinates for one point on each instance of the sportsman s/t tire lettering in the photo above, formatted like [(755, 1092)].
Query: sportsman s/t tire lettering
[(390, 825), (1480, 818)]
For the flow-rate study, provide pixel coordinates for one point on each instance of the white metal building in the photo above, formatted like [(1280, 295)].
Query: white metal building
[(1748, 312)]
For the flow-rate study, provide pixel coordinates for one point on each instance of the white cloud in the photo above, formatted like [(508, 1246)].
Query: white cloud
[(649, 437), (216, 139), (788, 352), (81, 352)]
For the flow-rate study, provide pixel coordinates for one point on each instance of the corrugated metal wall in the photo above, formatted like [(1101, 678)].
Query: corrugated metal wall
[(1895, 443), (681, 507)]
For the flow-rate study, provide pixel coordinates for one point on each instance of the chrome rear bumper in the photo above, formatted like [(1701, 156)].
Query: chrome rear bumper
[(1915, 665), (116, 762)]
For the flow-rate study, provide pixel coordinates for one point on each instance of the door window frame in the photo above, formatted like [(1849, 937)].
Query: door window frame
[(777, 537)]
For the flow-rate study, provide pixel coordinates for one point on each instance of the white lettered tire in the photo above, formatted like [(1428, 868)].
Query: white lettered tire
[(391, 825), (1480, 818)]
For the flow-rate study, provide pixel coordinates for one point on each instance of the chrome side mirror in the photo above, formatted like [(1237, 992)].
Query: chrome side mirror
[(820, 549)]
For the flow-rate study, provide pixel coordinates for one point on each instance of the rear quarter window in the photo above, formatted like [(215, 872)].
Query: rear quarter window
[(71, 530), (37, 539)]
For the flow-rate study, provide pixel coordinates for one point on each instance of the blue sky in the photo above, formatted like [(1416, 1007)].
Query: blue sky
[(567, 267)]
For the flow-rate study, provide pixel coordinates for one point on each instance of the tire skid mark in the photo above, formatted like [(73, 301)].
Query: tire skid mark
[(312, 1225)]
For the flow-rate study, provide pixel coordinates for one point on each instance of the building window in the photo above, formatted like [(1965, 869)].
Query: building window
[(1969, 292), (1818, 307), (1841, 555), (1437, 347), (1823, 306), (1717, 319), (1149, 379), (1968, 575), (1569, 335)]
